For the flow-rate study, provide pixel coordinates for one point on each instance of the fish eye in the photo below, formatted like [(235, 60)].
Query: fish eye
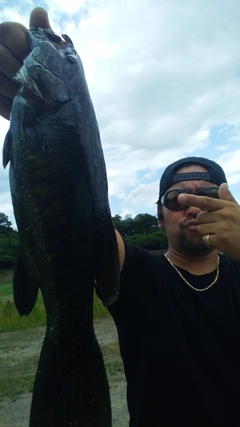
[(72, 59)]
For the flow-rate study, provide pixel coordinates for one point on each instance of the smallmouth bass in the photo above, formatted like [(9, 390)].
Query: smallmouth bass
[(67, 240)]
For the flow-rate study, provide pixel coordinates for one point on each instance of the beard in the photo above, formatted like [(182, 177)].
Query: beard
[(192, 246)]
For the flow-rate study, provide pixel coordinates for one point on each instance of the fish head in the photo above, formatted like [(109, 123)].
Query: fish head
[(46, 72), (52, 87)]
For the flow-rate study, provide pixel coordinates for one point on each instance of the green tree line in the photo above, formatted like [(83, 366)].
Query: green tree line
[(8, 242), (142, 230)]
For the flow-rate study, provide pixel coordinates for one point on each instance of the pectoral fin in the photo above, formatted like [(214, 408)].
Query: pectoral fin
[(25, 289), (7, 148)]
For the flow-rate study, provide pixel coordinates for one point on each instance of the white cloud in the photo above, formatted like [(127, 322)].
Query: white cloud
[(223, 147), (66, 7), (160, 77), (230, 163)]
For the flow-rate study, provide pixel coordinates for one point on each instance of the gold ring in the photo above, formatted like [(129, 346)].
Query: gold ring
[(207, 241)]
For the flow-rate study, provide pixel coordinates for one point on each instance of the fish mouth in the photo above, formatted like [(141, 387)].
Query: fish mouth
[(50, 92), (27, 93), (42, 75)]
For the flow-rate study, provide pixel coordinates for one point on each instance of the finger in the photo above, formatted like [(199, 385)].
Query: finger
[(13, 37), (8, 88), (207, 217), (39, 18), (225, 194), (202, 202), (207, 240), (9, 64)]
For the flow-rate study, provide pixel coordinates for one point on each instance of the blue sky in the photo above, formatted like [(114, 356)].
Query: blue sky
[(164, 77)]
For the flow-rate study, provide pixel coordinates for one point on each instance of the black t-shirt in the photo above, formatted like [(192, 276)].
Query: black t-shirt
[(180, 347)]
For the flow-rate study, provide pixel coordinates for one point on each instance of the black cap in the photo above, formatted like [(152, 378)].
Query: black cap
[(214, 173)]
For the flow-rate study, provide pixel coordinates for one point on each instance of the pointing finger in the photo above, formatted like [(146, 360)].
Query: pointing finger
[(202, 202)]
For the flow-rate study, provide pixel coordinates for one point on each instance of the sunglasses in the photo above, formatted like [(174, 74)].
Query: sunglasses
[(170, 198)]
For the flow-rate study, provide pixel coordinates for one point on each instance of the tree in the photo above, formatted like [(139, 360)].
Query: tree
[(124, 226), (8, 242), (4, 222), (142, 231), (145, 223), (152, 241)]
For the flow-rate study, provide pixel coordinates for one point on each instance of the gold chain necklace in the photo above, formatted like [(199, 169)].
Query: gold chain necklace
[(183, 278)]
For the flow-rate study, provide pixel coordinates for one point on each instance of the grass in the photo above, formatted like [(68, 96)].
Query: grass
[(6, 276), (9, 317), (113, 361), (19, 358), (10, 320), (20, 345), (18, 376), (5, 291)]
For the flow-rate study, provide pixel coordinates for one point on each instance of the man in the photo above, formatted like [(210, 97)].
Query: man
[(178, 314)]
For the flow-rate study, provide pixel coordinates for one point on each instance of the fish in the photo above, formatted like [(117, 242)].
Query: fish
[(67, 242)]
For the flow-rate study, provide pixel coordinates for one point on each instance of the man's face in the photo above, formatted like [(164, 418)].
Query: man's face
[(181, 226)]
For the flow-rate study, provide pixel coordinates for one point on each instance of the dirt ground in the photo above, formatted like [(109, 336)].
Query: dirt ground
[(15, 412)]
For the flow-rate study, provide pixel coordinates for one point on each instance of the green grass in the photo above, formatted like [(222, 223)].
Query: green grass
[(19, 355), (10, 320), (6, 276), (5, 291), (18, 376), (21, 344)]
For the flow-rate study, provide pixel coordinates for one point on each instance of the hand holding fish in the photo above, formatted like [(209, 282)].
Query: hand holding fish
[(219, 220), (14, 48)]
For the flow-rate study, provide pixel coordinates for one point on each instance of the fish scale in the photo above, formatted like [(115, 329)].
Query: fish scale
[(67, 241)]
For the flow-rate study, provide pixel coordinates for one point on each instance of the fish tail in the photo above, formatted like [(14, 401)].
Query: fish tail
[(71, 388)]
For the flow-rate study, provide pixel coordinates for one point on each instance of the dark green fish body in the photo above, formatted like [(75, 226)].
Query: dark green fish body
[(66, 237)]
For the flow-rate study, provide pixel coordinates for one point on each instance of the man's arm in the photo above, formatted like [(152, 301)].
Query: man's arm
[(121, 249)]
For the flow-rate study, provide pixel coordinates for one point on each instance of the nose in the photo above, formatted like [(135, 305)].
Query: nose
[(193, 211)]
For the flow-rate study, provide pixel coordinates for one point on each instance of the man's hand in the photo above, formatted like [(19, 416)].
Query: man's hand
[(220, 219), (13, 49)]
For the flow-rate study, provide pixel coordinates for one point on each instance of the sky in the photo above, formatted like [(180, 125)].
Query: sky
[(164, 78)]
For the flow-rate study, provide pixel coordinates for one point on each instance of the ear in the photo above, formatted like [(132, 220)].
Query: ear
[(160, 217)]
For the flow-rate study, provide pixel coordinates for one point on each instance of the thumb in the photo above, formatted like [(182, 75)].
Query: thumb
[(225, 194), (39, 18)]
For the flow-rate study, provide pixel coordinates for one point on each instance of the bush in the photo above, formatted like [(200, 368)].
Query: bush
[(8, 242), (152, 241)]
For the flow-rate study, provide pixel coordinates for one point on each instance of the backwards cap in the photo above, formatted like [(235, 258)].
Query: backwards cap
[(214, 173)]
